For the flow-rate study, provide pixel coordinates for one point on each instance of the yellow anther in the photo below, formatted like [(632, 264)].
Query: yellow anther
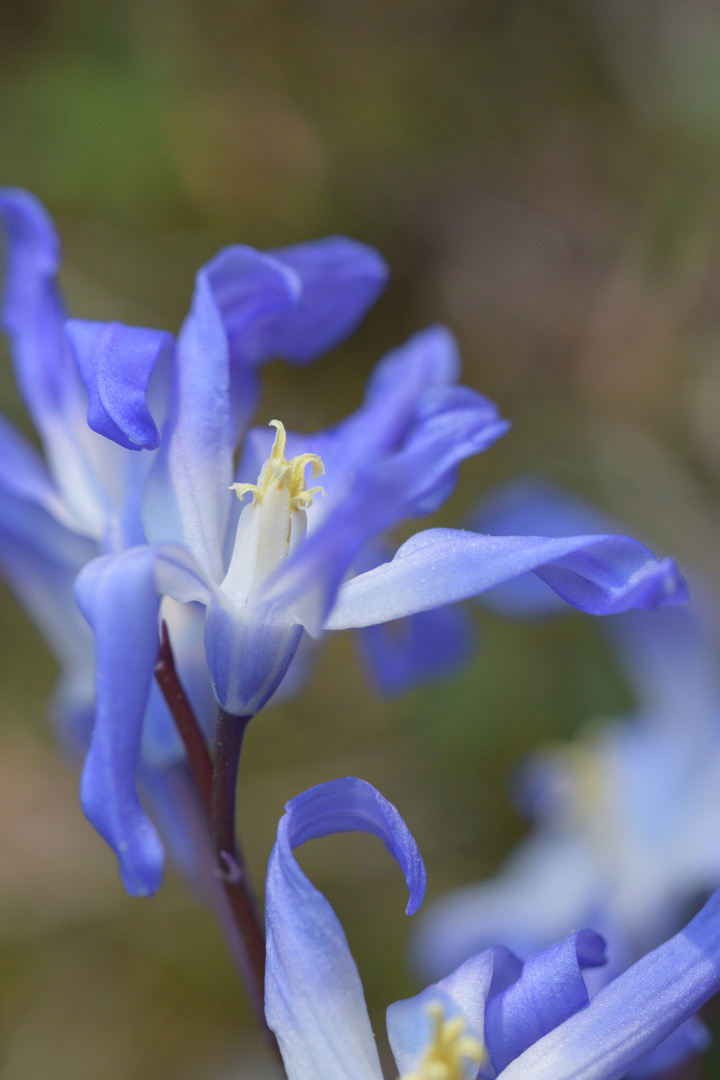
[(278, 447), (280, 472), (448, 1049), (241, 491)]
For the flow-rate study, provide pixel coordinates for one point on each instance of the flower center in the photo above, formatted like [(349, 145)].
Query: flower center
[(272, 526), (279, 472), (448, 1049)]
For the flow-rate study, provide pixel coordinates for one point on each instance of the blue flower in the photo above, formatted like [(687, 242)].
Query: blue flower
[(627, 816), (263, 550), (281, 560), (494, 1016), (94, 392)]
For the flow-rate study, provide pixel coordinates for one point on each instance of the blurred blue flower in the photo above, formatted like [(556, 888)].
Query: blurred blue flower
[(628, 816), (279, 558), (494, 1016)]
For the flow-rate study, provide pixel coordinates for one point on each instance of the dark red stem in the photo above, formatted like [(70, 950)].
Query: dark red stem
[(216, 783), (184, 717), (231, 863)]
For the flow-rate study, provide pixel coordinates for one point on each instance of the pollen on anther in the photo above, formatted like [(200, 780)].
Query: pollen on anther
[(279, 472)]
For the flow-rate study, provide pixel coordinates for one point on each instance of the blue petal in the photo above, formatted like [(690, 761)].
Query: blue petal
[(187, 494), (40, 561), (635, 1012), (670, 657), (404, 654), (46, 369), (549, 883), (550, 989), (313, 996), (463, 993), (429, 358), (251, 291), (116, 362), (118, 597), (171, 795), (455, 423), (599, 574), (41, 557), (394, 396), (33, 314), (393, 399), (690, 1038), (24, 476), (340, 279), (248, 652), (533, 507)]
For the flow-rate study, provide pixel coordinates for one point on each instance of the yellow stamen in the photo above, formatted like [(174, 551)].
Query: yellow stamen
[(283, 473), (448, 1050)]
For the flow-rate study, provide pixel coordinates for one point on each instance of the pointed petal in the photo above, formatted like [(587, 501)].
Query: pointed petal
[(428, 359), (116, 362), (313, 996), (340, 279), (47, 374), (550, 989), (532, 507), (599, 574), (394, 397), (635, 1012), (33, 313), (187, 494), (119, 596)]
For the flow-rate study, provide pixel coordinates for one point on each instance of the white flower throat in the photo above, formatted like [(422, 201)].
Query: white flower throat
[(271, 527)]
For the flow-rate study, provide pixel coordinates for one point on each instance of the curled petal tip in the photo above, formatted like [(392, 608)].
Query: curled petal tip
[(675, 587)]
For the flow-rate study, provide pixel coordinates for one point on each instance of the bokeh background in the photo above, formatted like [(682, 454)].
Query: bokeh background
[(544, 177)]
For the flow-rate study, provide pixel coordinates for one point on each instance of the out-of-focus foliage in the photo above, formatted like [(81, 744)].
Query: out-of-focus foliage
[(541, 175)]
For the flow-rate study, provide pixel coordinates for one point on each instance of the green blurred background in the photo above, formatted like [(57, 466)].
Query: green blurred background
[(544, 177)]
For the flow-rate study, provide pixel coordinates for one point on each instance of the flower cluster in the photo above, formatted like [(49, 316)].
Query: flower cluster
[(494, 1016), (159, 523)]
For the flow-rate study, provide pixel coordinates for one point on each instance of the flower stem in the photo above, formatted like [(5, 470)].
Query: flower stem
[(184, 717), (216, 784), (229, 735), (230, 860)]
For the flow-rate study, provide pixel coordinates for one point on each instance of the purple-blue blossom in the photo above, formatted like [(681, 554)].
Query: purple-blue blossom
[(626, 818), (94, 392), (494, 1016), (141, 433)]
